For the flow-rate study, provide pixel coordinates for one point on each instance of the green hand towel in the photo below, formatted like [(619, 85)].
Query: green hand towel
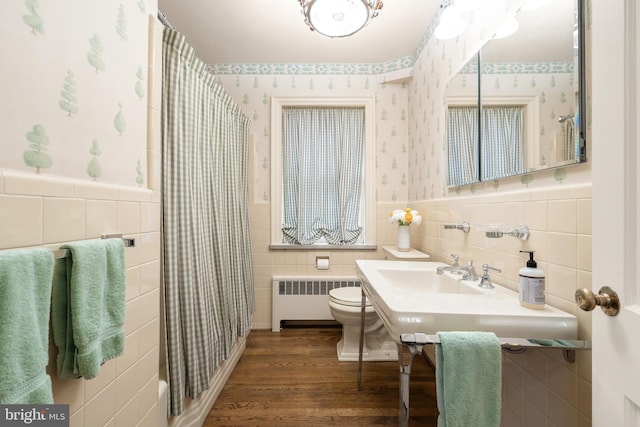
[(25, 299), (468, 379), (88, 306)]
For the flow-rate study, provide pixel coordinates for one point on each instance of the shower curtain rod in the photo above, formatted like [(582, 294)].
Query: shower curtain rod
[(163, 18)]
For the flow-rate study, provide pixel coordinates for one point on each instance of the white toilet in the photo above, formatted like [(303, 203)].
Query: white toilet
[(345, 305)]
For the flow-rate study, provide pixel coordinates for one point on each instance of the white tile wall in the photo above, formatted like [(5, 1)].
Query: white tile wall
[(268, 263), (64, 219), (22, 216), (37, 219), (539, 387), (104, 218)]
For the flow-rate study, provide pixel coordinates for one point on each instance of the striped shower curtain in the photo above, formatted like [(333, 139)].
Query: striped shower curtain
[(208, 279)]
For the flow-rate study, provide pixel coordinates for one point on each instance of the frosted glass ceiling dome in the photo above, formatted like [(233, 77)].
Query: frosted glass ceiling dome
[(339, 18)]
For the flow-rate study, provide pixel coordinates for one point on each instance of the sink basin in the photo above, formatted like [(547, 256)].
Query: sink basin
[(410, 297), (414, 282)]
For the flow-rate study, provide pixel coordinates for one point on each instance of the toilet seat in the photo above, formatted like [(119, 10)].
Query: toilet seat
[(348, 296)]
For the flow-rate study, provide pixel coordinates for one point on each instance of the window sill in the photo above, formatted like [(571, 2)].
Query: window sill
[(322, 248)]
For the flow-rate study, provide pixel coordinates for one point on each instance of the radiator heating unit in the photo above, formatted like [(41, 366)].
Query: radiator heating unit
[(304, 298)]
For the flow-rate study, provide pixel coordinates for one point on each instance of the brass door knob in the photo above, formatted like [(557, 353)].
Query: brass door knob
[(607, 299)]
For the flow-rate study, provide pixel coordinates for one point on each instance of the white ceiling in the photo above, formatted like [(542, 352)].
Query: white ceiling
[(273, 32)]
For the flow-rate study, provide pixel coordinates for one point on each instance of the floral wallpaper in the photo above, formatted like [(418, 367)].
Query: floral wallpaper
[(254, 91), (74, 97)]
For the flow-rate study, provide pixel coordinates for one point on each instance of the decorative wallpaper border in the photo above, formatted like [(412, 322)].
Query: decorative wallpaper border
[(306, 69), (471, 67), (328, 69), (384, 67)]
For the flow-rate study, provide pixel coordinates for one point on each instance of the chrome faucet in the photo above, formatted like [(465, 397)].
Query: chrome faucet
[(468, 272), (453, 268), (456, 258)]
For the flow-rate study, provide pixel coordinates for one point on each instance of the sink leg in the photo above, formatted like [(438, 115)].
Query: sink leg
[(363, 305), (405, 372)]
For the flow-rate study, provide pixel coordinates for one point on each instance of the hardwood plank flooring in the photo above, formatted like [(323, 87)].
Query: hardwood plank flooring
[(294, 378)]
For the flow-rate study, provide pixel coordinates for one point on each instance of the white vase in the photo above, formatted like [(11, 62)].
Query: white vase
[(404, 238)]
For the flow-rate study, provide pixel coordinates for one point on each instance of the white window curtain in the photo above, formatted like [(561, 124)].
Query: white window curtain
[(502, 142), (323, 151), (462, 131)]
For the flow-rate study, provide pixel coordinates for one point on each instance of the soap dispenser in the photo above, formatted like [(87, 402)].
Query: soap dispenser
[(531, 284)]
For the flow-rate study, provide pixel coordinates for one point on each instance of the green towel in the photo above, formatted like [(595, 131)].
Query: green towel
[(468, 379), (88, 306), (25, 299)]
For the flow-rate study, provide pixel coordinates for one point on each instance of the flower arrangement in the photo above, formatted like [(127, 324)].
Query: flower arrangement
[(405, 217)]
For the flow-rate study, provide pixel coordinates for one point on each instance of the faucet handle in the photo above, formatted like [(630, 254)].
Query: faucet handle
[(487, 267), (455, 257), (485, 282)]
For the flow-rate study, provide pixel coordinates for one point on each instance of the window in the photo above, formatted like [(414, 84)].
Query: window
[(340, 209), (502, 141), (505, 142)]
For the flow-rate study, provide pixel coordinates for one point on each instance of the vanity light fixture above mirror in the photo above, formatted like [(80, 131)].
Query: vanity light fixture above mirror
[(454, 15), (451, 22)]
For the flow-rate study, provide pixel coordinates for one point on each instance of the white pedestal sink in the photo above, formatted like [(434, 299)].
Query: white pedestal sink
[(410, 297)]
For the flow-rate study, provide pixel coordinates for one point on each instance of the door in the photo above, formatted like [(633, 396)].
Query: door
[(615, 160)]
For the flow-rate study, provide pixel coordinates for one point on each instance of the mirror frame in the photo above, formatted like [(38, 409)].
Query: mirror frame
[(581, 126), (581, 106)]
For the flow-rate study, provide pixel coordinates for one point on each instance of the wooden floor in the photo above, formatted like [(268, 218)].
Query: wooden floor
[(294, 378)]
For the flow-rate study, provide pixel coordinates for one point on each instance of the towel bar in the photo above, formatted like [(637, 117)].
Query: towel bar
[(63, 253), (415, 343), (513, 345), (507, 343)]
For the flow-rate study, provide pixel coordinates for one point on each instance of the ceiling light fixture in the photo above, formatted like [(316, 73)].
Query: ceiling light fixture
[(451, 23), (339, 18)]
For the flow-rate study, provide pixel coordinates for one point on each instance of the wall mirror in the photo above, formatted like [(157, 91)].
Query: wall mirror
[(523, 111)]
